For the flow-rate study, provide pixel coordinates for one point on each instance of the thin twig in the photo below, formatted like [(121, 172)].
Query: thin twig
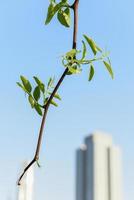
[(46, 107), (28, 166)]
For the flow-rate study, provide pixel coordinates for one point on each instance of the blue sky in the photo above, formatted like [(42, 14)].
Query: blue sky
[(30, 48)]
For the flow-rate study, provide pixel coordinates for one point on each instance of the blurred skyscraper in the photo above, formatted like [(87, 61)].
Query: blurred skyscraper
[(25, 190), (99, 169)]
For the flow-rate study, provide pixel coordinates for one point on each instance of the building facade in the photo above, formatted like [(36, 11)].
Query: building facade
[(98, 169)]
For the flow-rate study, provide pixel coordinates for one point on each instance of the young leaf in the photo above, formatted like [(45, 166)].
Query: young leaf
[(71, 54), (50, 82), (52, 9), (50, 13), (54, 103), (26, 84), (57, 96), (64, 17), (91, 73), (92, 45), (99, 49), (74, 70), (69, 73), (31, 101), (38, 109), (109, 68), (40, 84), (21, 86), (84, 50), (36, 93)]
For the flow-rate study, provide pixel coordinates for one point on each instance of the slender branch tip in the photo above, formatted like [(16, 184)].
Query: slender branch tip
[(25, 170)]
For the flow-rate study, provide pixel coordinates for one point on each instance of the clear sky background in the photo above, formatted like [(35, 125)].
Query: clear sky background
[(30, 48)]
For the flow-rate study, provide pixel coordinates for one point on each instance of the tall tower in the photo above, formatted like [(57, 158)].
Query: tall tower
[(98, 169), (25, 190)]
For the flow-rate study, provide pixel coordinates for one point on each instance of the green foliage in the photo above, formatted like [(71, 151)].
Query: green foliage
[(74, 60), (21, 86), (36, 93), (57, 96), (62, 10), (64, 17), (109, 68), (74, 64), (92, 45), (40, 84), (69, 60), (26, 84), (38, 109), (40, 95), (54, 103), (31, 101), (91, 72), (51, 12), (84, 51), (50, 83)]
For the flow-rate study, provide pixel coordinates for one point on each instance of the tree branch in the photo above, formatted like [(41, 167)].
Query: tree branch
[(46, 107)]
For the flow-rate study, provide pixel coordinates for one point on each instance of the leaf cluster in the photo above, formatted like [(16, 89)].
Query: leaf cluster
[(74, 65), (62, 9), (74, 60), (40, 94)]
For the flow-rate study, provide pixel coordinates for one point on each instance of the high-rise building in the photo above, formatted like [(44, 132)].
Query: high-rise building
[(98, 169), (25, 190)]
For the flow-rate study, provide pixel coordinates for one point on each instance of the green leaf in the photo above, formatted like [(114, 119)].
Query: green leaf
[(64, 1), (52, 9), (84, 50), (45, 100), (71, 54), (50, 82), (109, 68), (21, 86), (31, 101), (92, 45), (91, 73), (54, 103), (74, 70), (64, 17), (52, 1), (36, 93), (57, 96), (50, 13), (99, 49), (26, 84), (40, 84), (38, 109), (69, 73)]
